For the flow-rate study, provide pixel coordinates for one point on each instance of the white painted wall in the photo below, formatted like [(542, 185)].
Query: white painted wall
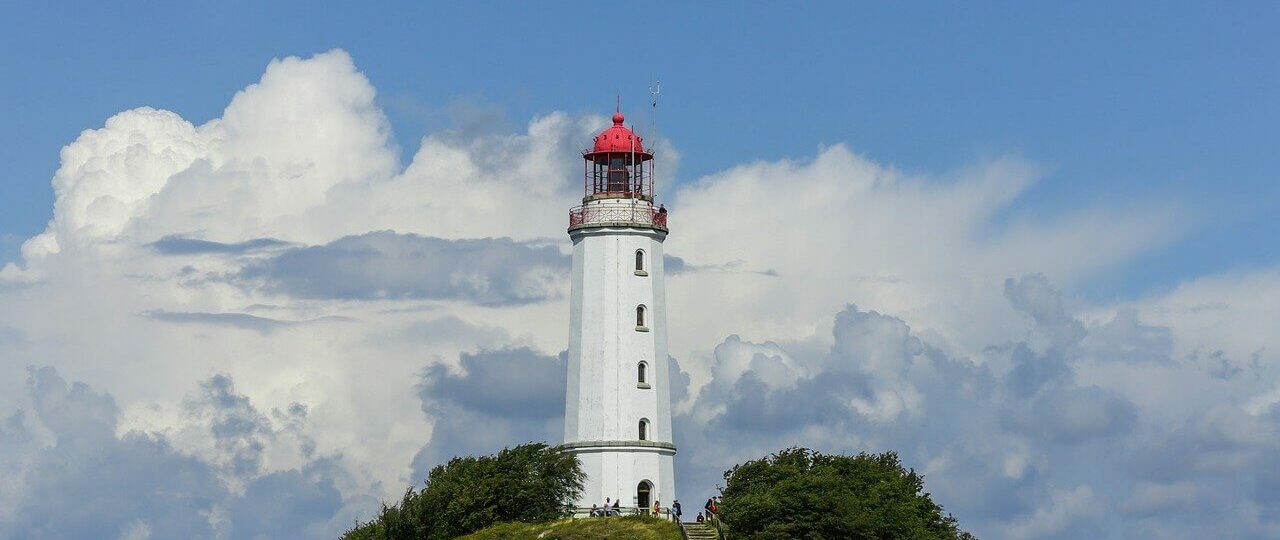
[(617, 473), (603, 403)]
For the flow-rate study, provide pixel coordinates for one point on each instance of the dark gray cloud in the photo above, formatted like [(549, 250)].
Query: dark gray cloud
[(1033, 295), (182, 245), (1072, 415), (675, 266), (1126, 339), (293, 420), (234, 320), (86, 482), (678, 380), (1033, 370), (754, 407), (288, 504), (238, 429), (387, 265), (502, 398), (517, 383)]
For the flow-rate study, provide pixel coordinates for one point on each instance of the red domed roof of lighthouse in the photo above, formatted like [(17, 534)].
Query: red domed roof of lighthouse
[(618, 138)]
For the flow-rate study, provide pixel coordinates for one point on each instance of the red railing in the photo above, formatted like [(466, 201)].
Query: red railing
[(640, 214)]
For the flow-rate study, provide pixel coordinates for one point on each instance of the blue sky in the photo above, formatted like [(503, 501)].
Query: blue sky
[(1119, 103), (1029, 246)]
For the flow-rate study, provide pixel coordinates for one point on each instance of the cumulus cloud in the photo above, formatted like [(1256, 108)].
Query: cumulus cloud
[(89, 482), (1073, 415), (237, 427), (1001, 434), (180, 245), (840, 227), (829, 301), (386, 265), (501, 397), (234, 320), (292, 503), (1127, 339), (73, 476), (1071, 512), (1034, 296)]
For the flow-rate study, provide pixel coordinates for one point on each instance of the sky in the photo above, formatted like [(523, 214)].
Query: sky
[(280, 249)]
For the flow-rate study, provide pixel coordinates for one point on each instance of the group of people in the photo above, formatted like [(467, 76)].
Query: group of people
[(709, 510), (614, 508)]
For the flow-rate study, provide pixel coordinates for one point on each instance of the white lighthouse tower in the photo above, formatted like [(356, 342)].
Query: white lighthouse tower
[(618, 406)]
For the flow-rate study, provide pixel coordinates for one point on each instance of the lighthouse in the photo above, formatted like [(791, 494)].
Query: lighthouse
[(617, 417)]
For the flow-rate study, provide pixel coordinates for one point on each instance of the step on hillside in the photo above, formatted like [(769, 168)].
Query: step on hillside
[(700, 531)]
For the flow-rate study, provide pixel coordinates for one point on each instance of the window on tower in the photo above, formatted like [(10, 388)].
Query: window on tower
[(642, 379), (619, 176), (644, 430), (640, 318), (639, 178), (640, 271)]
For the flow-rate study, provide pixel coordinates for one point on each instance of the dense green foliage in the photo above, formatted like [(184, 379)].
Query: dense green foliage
[(529, 483), (798, 493), (614, 528)]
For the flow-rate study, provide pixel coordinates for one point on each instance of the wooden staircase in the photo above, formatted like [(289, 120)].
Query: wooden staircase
[(700, 531)]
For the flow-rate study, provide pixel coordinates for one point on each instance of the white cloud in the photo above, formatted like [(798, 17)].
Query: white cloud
[(164, 268), (842, 228)]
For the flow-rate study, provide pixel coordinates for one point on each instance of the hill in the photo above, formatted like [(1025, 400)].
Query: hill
[(622, 528)]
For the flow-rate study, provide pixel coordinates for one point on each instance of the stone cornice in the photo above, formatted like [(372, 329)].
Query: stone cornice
[(656, 446)]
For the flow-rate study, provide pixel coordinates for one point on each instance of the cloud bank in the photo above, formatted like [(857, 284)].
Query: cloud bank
[(278, 325)]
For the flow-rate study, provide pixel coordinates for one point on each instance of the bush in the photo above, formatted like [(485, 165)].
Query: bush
[(530, 483), (799, 493)]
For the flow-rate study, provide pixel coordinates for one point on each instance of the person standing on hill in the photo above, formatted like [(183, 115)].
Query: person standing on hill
[(675, 509)]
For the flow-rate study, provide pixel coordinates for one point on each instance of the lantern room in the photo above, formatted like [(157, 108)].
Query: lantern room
[(618, 165)]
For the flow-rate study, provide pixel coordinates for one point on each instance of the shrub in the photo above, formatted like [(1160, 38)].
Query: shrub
[(799, 493), (531, 483)]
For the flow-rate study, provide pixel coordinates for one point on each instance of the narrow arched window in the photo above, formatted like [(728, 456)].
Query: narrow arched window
[(641, 376), (644, 430), (640, 316), (640, 260)]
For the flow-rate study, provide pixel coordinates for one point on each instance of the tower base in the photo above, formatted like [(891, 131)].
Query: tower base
[(636, 472)]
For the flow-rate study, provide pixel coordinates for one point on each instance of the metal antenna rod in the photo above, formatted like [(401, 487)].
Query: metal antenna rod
[(653, 125)]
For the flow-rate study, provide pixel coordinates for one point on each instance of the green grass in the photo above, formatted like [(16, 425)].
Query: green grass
[(616, 528)]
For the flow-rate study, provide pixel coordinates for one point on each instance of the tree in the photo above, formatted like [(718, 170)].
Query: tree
[(799, 493), (531, 483)]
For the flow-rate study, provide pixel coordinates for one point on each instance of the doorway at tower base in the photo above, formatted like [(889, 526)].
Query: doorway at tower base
[(620, 474)]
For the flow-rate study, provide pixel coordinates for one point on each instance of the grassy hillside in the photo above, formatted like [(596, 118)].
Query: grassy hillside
[(620, 528)]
